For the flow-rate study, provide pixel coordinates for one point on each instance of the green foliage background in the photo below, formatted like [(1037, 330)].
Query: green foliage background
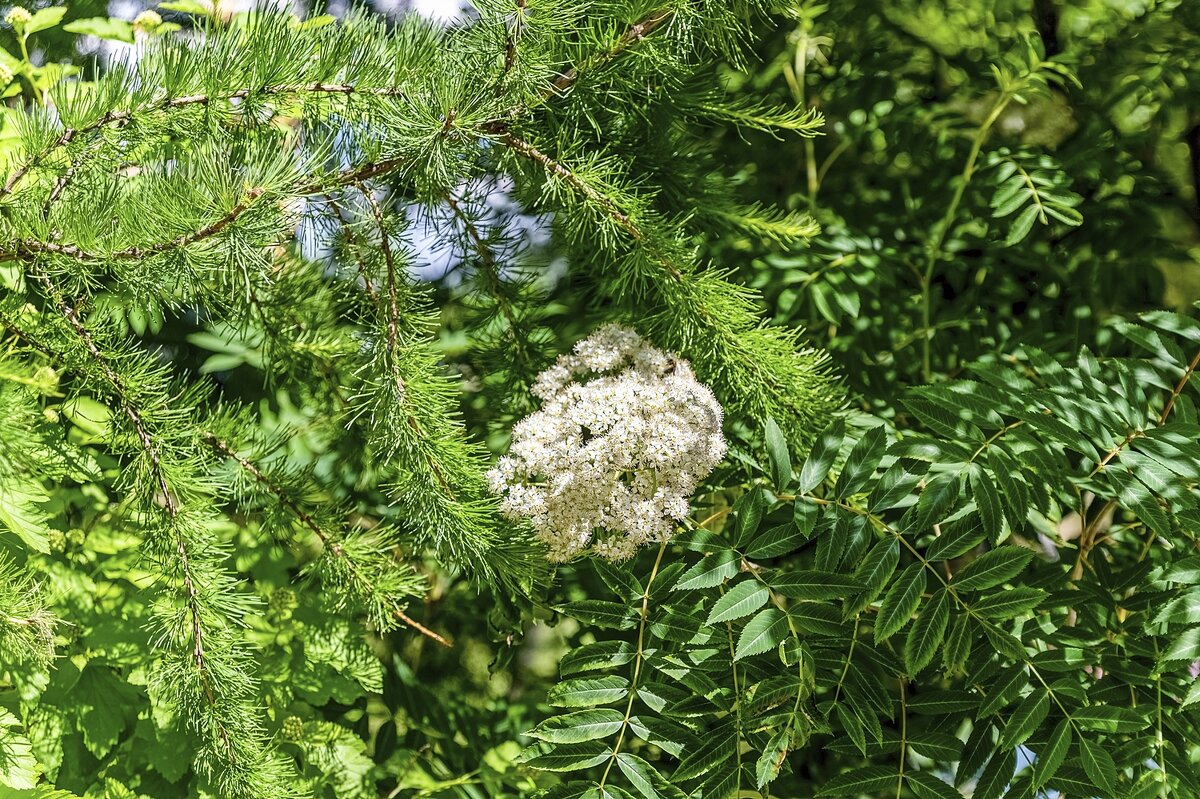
[(274, 292)]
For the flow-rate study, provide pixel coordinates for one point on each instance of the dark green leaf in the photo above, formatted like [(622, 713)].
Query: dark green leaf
[(820, 460), (927, 633), (1052, 755), (861, 463), (763, 632), (992, 568), (900, 602), (868, 779), (1025, 719), (781, 460), (1098, 764)]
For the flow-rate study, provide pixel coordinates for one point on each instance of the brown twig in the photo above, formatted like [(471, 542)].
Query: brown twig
[(1087, 538)]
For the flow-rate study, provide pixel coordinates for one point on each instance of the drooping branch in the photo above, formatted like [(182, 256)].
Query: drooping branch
[(631, 36), (304, 517), (591, 193), (170, 503), (491, 270)]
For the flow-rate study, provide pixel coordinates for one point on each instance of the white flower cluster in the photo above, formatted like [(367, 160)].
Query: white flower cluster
[(625, 434)]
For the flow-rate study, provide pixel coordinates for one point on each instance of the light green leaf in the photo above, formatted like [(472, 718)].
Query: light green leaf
[(1021, 226), (771, 759), (596, 656), (19, 768), (20, 512), (710, 571), (741, 600), (571, 757), (117, 30), (641, 775), (588, 691), (46, 18)]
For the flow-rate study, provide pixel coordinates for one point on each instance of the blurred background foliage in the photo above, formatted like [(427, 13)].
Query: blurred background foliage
[(925, 261)]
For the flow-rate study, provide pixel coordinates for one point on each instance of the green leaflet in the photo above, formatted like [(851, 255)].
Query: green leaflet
[(741, 600), (583, 725), (763, 632), (992, 568), (900, 602)]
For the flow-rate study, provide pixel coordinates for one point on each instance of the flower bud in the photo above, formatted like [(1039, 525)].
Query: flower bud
[(18, 17), (148, 21)]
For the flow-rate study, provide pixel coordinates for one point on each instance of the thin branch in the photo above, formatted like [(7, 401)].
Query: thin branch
[(632, 35), (606, 203), (1087, 539), (352, 242), (30, 249), (120, 117), (487, 260), (305, 518), (563, 83), (169, 502), (393, 332)]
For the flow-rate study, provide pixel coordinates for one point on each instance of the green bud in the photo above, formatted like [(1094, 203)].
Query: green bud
[(18, 17)]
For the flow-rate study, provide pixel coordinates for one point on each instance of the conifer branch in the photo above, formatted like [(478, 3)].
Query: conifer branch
[(170, 503), (606, 203), (631, 36), (123, 116), (30, 249), (491, 270), (563, 83), (393, 332), (352, 243), (305, 518)]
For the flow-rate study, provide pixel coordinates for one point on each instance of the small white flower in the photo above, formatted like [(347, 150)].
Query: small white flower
[(625, 434)]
